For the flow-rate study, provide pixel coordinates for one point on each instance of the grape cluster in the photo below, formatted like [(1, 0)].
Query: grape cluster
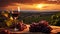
[(42, 26)]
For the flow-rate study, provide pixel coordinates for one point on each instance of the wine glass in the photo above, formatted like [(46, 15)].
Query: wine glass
[(15, 15)]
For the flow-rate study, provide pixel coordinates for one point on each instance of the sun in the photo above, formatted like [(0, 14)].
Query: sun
[(40, 5)]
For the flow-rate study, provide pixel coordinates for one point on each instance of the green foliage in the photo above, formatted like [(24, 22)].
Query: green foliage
[(2, 21), (55, 19), (52, 19)]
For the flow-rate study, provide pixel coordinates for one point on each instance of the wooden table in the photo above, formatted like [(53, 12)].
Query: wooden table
[(26, 31), (29, 33)]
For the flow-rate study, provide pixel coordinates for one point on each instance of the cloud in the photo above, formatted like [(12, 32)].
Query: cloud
[(43, 7), (13, 3), (9, 2), (39, 1), (4, 3)]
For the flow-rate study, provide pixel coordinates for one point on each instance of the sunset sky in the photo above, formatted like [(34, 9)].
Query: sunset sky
[(30, 4)]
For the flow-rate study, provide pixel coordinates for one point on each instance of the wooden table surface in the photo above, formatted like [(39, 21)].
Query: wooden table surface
[(26, 31)]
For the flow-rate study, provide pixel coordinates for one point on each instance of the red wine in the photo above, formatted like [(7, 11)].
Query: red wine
[(15, 14)]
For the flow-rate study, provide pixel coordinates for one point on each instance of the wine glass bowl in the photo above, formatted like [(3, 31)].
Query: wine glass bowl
[(15, 14)]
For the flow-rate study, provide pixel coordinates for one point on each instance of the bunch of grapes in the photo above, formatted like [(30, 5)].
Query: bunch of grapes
[(42, 26)]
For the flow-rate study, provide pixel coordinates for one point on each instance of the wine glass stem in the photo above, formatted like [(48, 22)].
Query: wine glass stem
[(15, 21)]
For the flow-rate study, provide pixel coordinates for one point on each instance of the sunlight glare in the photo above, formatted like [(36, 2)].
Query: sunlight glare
[(40, 5)]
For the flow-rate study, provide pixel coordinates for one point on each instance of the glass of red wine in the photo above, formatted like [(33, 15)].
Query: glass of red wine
[(15, 15)]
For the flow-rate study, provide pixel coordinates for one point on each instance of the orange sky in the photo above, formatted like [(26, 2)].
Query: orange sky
[(41, 7), (34, 7), (30, 4)]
